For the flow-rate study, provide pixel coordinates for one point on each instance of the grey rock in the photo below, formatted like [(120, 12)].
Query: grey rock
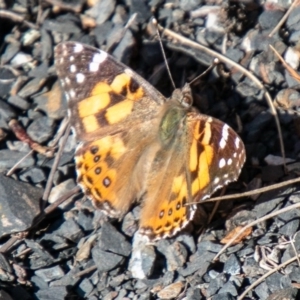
[(41, 129), (105, 261), (85, 220), (18, 102), (175, 253), (85, 288), (69, 279), (49, 274), (113, 241), (102, 10), (38, 282), (6, 111), (41, 257), (188, 5), (232, 265), (122, 50), (229, 288), (286, 294), (262, 290), (273, 281), (142, 259), (215, 285), (188, 241), (31, 87), (223, 296), (293, 20), (57, 293), (129, 224), (20, 204), (34, 175), (268, 19), (102, 31), (70, 231), (141, 8)]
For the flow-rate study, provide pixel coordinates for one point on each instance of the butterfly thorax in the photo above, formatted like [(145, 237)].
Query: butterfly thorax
[(174, 118)]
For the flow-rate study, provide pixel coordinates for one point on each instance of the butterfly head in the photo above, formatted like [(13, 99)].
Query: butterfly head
[(183, 96)]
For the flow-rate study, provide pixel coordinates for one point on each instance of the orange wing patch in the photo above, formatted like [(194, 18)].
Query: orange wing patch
[(95, 173), (101, 101)]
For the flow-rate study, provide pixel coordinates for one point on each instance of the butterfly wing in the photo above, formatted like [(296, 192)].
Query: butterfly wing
[(111, 109), (212, 156), (104, 96)]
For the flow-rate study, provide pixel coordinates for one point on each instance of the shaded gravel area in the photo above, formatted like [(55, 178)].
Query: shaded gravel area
[(74, 252)]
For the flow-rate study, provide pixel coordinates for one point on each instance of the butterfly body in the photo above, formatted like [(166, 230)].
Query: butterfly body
[(136, 145)]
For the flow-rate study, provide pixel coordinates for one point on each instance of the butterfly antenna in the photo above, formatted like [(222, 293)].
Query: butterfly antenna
[(215, 62), (154, 22)]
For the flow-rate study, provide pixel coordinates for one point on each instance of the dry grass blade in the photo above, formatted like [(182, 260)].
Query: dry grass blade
[(216, 206), (293, 73), (55, 163), (22, 135), (262, 278), (254, 192), (268, 216), (177, 40), (11, 171), (284, 18), (235, 232), (6, 14)]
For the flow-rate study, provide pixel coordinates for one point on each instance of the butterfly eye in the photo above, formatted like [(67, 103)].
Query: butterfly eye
[(187, 100)]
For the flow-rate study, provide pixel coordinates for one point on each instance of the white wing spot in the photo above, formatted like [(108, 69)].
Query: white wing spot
[(222, 163), (225, 132), (234, 154), (93, 67), (80, 78), (237, 143), (72, 93), (78, 48), (216, 180), (222, 143), (67, 80), (73, 68), (100, 57), (97, 60), (72, 58), (229, 161)]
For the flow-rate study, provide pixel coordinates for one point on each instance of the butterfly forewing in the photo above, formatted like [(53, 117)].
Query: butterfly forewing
[(104, 96)]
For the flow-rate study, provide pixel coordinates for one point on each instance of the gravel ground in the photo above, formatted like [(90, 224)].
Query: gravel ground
[(72, 251)]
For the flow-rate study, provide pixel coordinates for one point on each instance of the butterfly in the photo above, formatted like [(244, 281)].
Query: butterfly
[(135, 145)]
